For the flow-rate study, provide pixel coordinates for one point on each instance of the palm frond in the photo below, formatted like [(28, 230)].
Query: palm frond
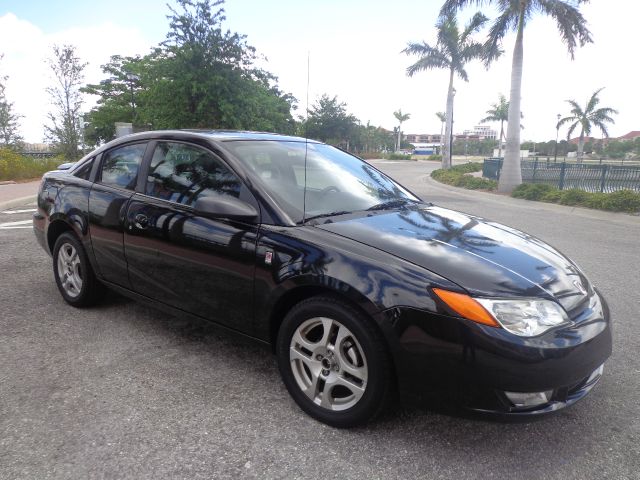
[(593, 101), (428, 63), (501, 26), (452, 6), (571, 129), (571, 23), (476, 23)]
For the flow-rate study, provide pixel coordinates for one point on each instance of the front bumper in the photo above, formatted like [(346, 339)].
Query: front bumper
[(439, 357)]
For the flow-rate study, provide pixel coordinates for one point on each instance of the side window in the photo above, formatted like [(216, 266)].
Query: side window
[(84, 170), (120, 166), (182, 173)]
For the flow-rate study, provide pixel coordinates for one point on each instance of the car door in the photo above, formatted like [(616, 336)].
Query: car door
[(202, 265), (115, 183)]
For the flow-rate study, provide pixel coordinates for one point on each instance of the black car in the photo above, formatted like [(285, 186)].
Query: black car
[(361, 288)]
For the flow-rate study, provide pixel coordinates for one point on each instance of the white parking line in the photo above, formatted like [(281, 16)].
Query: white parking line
[(13, 212), (19, 224)]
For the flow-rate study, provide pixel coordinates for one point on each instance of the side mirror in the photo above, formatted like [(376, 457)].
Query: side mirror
[(225, 206), (65, 166)]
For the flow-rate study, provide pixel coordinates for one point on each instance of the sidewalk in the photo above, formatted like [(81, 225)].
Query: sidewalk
[(16, 194)]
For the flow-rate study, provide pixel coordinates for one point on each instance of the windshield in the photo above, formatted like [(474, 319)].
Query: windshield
[(336, 182)]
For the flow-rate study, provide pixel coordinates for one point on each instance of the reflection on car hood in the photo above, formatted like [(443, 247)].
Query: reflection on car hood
[(486, 258)]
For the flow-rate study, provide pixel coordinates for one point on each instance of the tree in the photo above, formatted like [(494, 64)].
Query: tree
[(499, 112), (9, 120), (63, 128), (586, 118), (201, 76), (513, 15), (329, 121), (119, 98), (453, 50), (401, 119), (443, 118)]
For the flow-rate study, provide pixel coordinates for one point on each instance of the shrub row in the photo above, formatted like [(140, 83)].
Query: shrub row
[(458, 177), (386, 156), (620, 201), (14, 166)]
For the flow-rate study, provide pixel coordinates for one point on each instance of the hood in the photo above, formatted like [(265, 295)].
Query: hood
[(485, 258)]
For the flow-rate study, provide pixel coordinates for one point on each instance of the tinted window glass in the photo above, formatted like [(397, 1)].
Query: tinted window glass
[(120, 166), (182, 173), (84, 170)]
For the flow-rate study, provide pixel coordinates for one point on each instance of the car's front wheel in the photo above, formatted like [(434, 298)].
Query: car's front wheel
[(73, 273), (334, 362)]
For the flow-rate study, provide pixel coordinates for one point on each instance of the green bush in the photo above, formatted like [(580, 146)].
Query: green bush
[(397, 156), (467, 167), (380, 155), (436, 158), (574, 196), (620, 201), (14, 166), (532, 191), (457, 177), (553, 196)]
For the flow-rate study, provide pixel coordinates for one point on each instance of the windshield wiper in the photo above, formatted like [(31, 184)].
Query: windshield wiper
[(324, 215), (389, 204)]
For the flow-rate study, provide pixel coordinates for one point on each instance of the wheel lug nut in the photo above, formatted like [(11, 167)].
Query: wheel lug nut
[(325, 372), (318, 357)]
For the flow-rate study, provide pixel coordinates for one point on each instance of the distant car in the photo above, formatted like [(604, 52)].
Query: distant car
[(360, 287)]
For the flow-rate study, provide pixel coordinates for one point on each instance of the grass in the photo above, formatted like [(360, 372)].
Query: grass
[(14, 166)]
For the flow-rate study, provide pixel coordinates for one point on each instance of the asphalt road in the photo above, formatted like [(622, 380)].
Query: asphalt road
[(123, 391)]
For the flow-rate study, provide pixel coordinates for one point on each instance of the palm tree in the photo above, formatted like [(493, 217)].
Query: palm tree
[(443, 118), (587, 118), (499, 112), (401, 118), (453, 50), (513, 16)]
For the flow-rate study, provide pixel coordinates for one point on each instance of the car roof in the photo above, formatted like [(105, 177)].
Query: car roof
[(219, 135)]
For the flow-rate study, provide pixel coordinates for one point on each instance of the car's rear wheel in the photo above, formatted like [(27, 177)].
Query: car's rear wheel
[(334, 362), (73, 273)]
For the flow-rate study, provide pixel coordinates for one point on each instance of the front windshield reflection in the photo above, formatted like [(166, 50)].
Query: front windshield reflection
[(335, 181)]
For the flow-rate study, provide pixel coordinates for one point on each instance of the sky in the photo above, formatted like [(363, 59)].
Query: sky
[(354, 50)]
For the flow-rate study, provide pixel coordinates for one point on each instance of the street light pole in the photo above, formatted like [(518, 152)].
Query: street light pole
[(555, 153)]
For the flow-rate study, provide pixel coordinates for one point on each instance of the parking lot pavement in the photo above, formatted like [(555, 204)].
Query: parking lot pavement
[(14, 194), (124, 391)]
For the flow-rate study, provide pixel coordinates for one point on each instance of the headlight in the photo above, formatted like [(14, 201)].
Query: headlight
[(526, 318)]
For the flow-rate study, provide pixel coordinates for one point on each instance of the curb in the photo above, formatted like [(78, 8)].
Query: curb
[(16, 202)]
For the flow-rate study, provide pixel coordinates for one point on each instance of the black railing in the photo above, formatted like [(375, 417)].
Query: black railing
[(591, 178)]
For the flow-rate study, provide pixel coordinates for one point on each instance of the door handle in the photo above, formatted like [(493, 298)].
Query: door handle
[(141, 221)]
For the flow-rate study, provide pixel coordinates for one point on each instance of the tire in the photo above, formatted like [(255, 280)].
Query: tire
[(325, 342), (72, 271)]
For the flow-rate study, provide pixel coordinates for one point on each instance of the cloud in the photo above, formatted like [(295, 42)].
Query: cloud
[(26, 49)]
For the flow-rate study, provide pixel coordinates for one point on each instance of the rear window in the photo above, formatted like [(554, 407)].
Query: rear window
[(120, 166)]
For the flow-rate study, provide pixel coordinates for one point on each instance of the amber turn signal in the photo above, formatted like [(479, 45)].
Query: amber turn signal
[(466, 307)]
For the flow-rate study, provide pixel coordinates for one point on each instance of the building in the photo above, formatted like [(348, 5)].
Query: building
[(575, 141), (479, 132), (414, 138), (630, 136)]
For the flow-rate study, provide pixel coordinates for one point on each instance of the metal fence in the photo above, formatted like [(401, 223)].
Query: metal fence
[(588, 177)]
